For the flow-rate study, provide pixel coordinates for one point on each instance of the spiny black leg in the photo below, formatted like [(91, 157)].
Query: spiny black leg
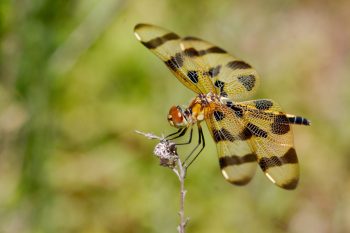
[(194, 149), (200, 139), (182, 133), (201, 135), (174, 133), (189, 141)]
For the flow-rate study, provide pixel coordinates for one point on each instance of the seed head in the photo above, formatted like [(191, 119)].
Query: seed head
[(166, 151)]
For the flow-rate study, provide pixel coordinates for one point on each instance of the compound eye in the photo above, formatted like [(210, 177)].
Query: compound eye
[(175, 116)]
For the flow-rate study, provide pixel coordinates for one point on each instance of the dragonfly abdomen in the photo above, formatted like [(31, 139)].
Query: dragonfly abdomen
[(298, 120)]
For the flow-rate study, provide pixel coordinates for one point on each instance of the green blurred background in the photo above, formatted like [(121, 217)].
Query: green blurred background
[(75, 84)]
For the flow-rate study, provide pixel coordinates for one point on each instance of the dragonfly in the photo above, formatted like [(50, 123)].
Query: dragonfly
[(247, 133)]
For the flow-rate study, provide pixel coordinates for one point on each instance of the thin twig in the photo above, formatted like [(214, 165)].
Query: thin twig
[(180, 171), (149, 135), (166, 151)]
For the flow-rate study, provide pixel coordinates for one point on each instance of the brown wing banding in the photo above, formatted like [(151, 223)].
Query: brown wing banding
[(198, 64), (276, 154), (250, 132), (237, 79), (237, 159), (186, 64)]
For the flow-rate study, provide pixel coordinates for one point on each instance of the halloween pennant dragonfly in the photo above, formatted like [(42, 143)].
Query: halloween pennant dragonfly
[(245, 133)]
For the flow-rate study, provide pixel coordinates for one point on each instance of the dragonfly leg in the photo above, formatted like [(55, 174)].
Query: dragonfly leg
[(201, 141), (189, 140), (177, 132)]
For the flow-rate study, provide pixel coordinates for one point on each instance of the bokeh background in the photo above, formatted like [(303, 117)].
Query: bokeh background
[(75, 84)]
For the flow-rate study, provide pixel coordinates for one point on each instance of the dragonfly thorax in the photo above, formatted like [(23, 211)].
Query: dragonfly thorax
[(198, 110)]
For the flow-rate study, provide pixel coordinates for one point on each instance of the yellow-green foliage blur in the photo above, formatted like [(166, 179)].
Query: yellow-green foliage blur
[(75, 84)]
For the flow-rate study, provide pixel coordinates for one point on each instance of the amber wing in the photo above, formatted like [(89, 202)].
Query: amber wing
[(200, 65), (252, 131)]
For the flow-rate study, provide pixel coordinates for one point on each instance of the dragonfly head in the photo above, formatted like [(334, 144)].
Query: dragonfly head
[(178, 117)]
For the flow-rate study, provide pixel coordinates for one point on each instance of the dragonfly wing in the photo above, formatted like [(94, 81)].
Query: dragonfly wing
[(272, 141), (237, 158)]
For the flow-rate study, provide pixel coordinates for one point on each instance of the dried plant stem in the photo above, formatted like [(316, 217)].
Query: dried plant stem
[(166, 151), (180, 171)]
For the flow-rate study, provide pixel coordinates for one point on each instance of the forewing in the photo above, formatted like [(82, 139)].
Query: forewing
[(184, 64), (272, 139), (231, 76), (236, 155), (200, 65)]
